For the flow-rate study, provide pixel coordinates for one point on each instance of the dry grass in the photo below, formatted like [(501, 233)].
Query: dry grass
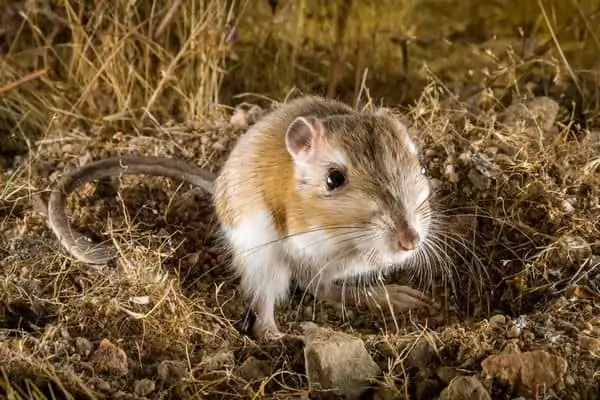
[(82, 80)]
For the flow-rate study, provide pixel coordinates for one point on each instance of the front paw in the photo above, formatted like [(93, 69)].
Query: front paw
[(401, 298)]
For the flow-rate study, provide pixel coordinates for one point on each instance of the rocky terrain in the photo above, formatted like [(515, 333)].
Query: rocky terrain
[(502, 99)]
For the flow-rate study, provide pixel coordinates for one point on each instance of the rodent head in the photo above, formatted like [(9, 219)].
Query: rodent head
[(360, 180)]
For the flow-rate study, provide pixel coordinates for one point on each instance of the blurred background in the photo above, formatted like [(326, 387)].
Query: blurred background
[(122, 62)]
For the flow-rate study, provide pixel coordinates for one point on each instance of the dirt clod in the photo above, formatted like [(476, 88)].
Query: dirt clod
[(465, 388), (144, 387), (526, 372), (83, 346), (172, 371)]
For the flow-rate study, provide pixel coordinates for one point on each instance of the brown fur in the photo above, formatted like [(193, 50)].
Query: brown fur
[(235, 196), (370, 143)]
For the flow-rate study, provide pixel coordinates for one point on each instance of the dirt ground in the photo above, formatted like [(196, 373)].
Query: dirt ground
[(517, 176)]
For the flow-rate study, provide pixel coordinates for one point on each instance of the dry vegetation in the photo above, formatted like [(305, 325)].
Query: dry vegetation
[(80, 80)]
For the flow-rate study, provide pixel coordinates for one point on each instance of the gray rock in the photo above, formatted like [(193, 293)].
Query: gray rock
[(540, 110), (337, 362), (83, 346)]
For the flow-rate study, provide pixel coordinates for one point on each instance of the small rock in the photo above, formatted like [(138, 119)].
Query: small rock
[(420, 354), (540, 110), (253, 369), (109, 357), (219, 361), (514, 332), (528, 372), (172, 371), (338, 362), (568, 205), (497, 321), (144, 387), (83, 346), (465, 388)]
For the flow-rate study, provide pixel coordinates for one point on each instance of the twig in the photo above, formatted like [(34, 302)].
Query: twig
[(167, 18), (341, 23), (25, 79)]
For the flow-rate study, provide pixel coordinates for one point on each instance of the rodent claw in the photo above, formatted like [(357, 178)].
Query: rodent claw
[(402, 298)]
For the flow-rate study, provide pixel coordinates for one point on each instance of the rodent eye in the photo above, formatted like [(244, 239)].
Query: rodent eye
[(335, 179), (423, 170)]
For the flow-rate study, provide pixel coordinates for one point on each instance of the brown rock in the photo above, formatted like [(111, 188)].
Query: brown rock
[(465, 388), (109, 357), (528, 372)]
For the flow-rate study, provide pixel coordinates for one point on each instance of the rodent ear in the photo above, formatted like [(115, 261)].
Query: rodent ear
[(302, 136)]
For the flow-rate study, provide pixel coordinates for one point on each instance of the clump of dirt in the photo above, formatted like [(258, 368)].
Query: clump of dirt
[(518, 212)]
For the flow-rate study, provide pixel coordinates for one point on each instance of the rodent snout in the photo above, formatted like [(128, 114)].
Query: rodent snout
[(407, 237)]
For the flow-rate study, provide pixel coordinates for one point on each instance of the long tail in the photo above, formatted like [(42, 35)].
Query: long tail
[(75, 242)]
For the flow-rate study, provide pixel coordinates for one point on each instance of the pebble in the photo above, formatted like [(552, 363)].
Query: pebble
[(144, 387), (465, 388)]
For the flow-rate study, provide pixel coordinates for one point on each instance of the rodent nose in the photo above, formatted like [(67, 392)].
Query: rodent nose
[(407, 237)]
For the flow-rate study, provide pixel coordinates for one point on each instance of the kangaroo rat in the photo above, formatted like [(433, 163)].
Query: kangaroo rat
[(315, 192)]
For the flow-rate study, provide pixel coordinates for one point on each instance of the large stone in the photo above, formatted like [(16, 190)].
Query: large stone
[(337, 362), (527, 373)]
